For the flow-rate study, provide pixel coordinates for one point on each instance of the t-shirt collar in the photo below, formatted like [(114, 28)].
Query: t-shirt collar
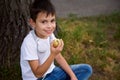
[(34, 35)]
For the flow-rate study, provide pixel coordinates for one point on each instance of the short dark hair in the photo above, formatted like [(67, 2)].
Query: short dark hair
[(41, 6)]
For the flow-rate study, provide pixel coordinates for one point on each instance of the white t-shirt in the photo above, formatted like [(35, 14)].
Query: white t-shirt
[(34, 48)]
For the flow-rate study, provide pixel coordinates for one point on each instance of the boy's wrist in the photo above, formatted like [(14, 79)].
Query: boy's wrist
[(73, 77), (53, 55)]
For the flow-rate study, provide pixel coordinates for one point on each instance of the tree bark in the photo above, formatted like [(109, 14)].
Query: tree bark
[(13, 27)]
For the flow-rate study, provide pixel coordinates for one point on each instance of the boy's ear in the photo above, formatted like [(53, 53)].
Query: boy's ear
[(32, 23)]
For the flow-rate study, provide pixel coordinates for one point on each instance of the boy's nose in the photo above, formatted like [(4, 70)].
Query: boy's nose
[(49, 25)]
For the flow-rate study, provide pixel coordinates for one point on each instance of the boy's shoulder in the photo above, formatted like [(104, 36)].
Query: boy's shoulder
[(29, 38)]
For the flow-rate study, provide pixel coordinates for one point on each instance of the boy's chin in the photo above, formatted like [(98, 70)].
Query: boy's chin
[(48, 35)]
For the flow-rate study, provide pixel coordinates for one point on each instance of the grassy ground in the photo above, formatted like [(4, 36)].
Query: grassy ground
[(92, 40)]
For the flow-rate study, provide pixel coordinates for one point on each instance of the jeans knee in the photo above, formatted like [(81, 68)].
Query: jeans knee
[(89, 68)]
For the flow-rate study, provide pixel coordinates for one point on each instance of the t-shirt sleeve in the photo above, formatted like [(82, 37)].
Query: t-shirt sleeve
[(29, 50)]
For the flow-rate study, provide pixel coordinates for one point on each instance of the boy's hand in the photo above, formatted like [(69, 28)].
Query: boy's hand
[(74, 78), (57, 47)]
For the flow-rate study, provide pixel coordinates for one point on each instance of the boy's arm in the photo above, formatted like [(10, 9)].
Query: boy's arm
[(38, 69), (62, 62)]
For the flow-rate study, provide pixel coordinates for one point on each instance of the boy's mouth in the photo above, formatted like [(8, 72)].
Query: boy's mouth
[(48, 31)]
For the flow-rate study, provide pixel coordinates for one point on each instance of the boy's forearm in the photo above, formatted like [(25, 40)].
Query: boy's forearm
[(41, 69), (62, 62)]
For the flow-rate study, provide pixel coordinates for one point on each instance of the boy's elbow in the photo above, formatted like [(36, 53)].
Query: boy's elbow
[(38, 75), (38, 72)]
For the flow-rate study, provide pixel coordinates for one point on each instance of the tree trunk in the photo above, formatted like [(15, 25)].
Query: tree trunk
[(13, 28)]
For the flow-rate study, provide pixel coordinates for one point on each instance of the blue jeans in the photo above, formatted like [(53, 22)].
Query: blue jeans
[(82, 71)]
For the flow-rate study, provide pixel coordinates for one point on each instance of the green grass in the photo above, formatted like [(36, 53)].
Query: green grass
[(92, 40)]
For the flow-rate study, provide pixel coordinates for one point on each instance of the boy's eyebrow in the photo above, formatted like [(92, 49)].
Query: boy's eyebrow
[(53, 19)]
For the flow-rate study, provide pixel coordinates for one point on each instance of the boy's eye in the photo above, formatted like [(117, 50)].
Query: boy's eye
[(53, 20), (43, 21)]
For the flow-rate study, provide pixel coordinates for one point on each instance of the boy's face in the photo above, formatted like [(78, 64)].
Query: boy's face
[(44, 25)]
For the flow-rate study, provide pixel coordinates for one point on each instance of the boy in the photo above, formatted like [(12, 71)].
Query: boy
[(38, 53)]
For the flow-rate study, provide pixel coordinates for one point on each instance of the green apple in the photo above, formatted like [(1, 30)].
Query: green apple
[(55, 43)]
